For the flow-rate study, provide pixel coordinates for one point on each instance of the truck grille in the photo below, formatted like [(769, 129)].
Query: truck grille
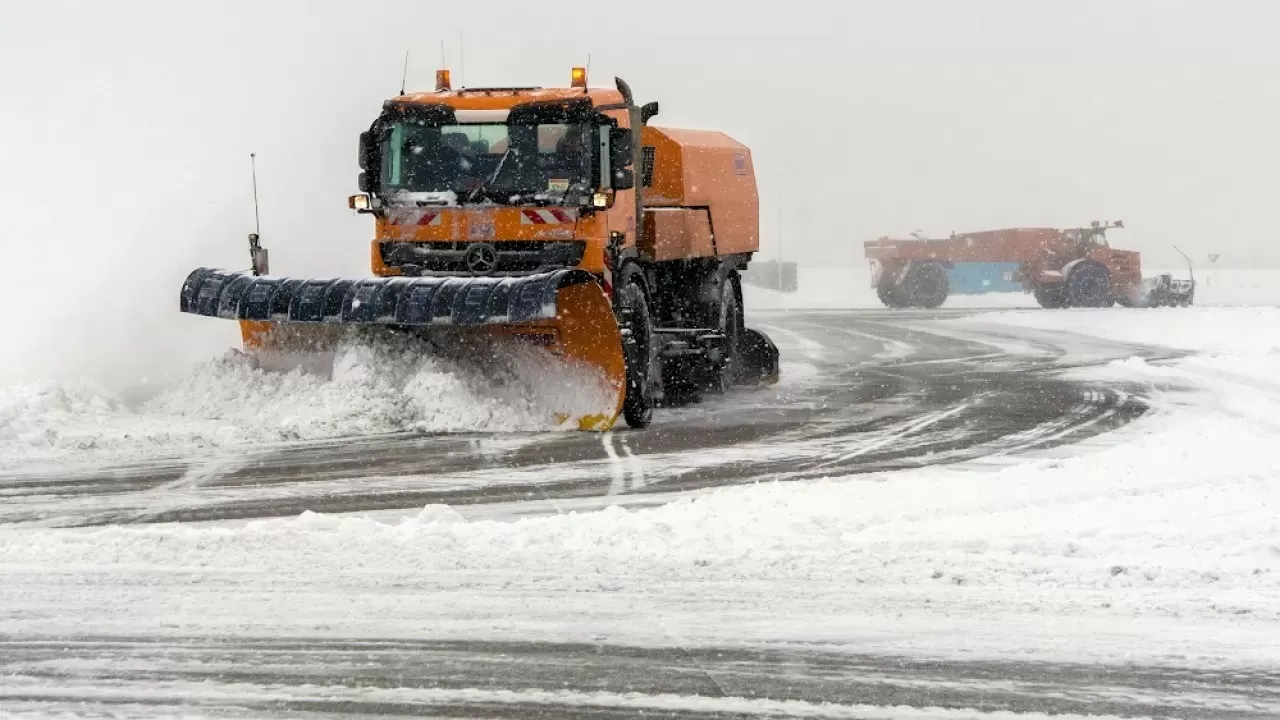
[(515, 257)]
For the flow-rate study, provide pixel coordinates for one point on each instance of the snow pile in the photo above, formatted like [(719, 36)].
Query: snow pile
[(366, 385), (31, 415)]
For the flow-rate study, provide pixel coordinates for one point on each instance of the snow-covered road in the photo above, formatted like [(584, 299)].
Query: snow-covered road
[(1020, 498)]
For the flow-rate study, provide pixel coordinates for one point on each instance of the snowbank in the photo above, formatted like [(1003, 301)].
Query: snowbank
[(365, 386)]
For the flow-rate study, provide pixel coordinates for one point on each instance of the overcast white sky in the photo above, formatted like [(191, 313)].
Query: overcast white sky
[(127, 127)]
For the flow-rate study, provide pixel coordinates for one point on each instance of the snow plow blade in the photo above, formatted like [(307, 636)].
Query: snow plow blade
[(1166, 291), (563, 311), (1161, 291)]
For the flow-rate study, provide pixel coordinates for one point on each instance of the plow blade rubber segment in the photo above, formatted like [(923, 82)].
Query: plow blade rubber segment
[(757, 359), (564, 311)]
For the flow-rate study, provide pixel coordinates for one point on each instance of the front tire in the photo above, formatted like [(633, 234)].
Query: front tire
[(1088, 285), (926, 286), (637, 406), (888, 294)]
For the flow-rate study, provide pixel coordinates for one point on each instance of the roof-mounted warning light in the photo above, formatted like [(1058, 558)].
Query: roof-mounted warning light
[(578, 78), (442, 81)]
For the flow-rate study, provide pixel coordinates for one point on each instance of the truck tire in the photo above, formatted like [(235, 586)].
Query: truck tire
[(1088, 285), (1051, 296), (637, 406), (925, 286), (888, 294), (720, 378)]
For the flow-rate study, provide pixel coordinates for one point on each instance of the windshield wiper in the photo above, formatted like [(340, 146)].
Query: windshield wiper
[(489, 180)]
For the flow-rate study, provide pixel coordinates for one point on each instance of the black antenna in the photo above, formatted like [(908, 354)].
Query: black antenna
[(257, 253), (253, 168), (404, 74), (462, 62)]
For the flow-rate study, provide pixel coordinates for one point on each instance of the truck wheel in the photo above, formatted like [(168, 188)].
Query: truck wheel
[(926, 286), (1088, 285), (637, 406), (888, 294), (720, 378), (1051, 296)]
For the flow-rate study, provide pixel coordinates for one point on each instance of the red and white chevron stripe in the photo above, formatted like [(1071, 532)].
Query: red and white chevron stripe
[(430, 217), (546, 216)]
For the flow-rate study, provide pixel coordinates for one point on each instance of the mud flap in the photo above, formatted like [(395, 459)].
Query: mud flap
[(564, 311), (757, 359)]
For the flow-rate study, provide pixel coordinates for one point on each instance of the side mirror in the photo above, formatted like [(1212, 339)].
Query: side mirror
[(619, 148), (364, 182), (368, 148), (623, 179), (647, 111)]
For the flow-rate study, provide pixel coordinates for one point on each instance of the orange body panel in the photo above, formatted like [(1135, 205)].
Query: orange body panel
[(705, 169), (678, 233), (1011, 245)]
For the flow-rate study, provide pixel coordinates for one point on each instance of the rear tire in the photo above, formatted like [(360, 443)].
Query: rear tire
[(888, 294), (637, 406)]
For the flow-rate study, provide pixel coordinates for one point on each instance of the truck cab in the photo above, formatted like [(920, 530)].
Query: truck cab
[(499, 181)]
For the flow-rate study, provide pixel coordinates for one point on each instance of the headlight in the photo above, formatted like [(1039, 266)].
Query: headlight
[(358, 202)]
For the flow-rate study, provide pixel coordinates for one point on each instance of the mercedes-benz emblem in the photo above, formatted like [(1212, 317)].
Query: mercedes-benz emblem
[(481, 258)]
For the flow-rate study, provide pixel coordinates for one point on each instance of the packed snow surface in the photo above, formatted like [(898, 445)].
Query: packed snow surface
[(1158, 543), (1237, 331), (365, 385)]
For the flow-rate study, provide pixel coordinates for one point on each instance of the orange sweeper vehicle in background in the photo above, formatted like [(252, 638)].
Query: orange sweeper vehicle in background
[(553, 217), (1075, 267)]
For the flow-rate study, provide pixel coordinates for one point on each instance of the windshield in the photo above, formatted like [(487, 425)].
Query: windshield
[(494, 162)]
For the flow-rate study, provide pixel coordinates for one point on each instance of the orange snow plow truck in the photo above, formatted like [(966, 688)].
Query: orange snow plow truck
[(553, 218)]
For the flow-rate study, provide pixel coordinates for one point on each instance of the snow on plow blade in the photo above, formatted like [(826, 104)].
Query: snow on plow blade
[(563, 311)]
